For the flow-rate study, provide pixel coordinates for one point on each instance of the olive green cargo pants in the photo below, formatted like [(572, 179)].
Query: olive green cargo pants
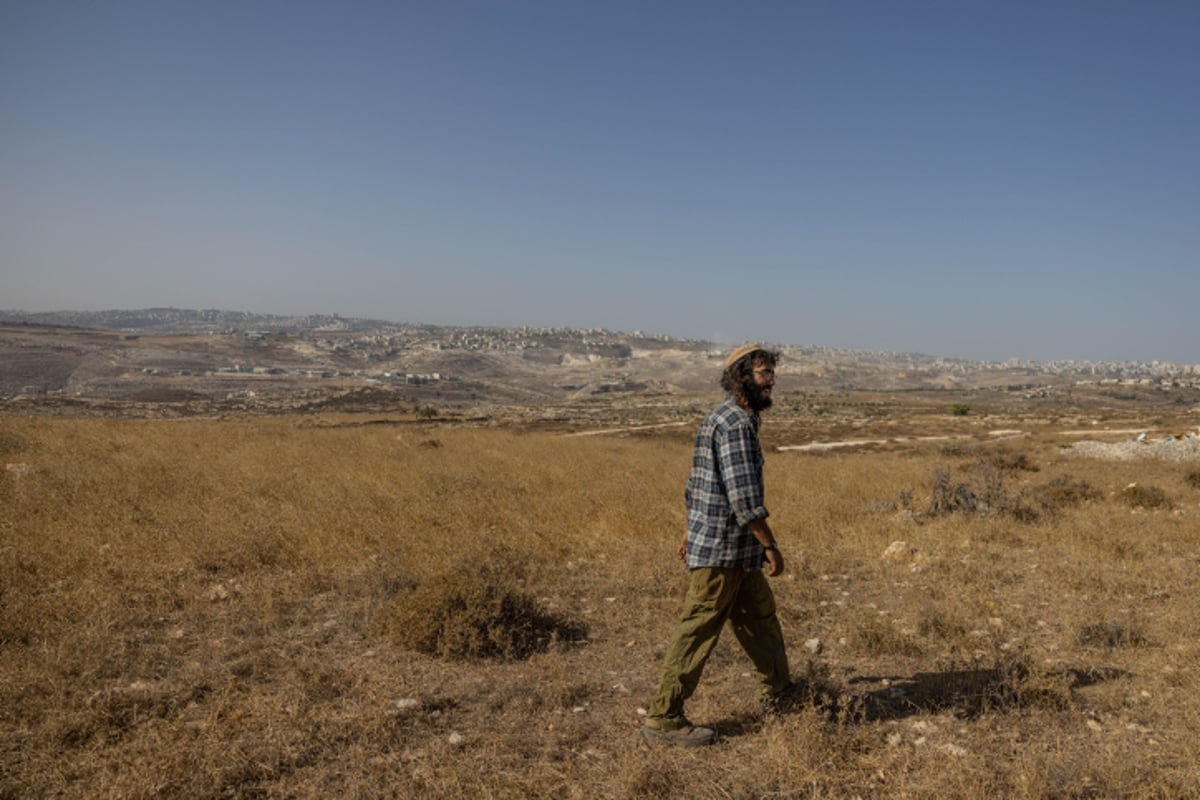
[(716, 595)]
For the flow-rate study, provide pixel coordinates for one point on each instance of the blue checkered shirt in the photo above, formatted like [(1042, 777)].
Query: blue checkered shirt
[(725, 491)]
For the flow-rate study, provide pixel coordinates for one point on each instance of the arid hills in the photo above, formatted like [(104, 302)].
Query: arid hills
[(181, 362)]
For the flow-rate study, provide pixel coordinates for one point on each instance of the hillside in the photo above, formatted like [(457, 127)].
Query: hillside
[(200, 362)]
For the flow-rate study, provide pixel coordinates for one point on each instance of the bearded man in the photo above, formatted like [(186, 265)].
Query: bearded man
[(727, 543)]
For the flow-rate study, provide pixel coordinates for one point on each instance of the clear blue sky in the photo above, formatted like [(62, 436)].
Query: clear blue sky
[(967, 179)]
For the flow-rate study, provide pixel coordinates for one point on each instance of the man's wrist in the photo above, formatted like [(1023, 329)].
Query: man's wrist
[(771, 546)]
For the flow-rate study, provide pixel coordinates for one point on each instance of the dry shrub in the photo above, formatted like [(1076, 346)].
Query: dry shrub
[(473, 613), (817, 688), (1110, 634), (1066, 492), (1011, 461), (11, 443), (1135, 495), (947, 496), (1192, 478), (984, 492)]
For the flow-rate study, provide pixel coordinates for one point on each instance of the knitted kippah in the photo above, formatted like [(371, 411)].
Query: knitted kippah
[(740, 352)]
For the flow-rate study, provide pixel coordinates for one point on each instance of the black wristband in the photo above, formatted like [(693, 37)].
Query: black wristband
[(771, 547)]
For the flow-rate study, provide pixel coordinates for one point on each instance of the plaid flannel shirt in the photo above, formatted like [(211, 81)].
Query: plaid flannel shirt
[(725, 491)]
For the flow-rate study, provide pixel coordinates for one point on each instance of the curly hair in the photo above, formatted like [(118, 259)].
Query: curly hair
[(741, 372)]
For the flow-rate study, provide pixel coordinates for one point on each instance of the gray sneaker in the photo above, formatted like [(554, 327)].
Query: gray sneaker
[(687, 736)]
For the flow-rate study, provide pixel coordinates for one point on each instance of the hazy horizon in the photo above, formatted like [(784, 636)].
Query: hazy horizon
[(609, 329), (966, 180)]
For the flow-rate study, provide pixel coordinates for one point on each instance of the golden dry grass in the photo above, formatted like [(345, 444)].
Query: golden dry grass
[(210, 609)]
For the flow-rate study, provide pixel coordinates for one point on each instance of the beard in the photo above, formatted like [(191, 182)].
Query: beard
[(755, 397)]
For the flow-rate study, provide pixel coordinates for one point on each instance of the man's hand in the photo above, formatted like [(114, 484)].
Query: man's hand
[(774, 562), (682, 551), (762, 532)]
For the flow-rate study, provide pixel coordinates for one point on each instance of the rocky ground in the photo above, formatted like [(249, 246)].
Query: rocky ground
[(1171, 448)]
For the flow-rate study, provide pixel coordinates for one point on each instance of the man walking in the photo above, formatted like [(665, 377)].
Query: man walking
[(727, 541)]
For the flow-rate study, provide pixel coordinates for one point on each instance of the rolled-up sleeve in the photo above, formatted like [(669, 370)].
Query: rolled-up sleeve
[(740, 463)]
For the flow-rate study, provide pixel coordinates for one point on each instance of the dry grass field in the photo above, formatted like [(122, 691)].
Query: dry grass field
[(287, 608)]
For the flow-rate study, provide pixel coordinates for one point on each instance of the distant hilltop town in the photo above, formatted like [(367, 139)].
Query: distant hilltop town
[(417, 353)]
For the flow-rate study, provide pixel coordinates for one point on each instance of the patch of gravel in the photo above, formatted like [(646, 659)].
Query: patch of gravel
[(1187, 449)]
